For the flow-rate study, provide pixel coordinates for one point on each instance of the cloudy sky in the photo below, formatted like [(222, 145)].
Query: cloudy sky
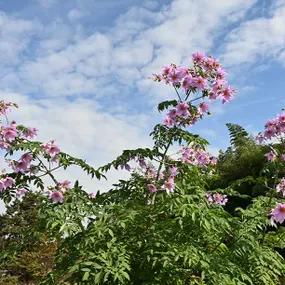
[(79, 69)]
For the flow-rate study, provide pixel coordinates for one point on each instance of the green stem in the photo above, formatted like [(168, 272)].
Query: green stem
[(177, 93), (48, 172)]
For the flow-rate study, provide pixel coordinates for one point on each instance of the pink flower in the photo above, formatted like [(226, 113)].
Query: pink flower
[(199, 82), (64, 185), (150, 173), (217, 198), (278, 213), (169, 185), (220, 73), (173, 170), (6, 182), (283, 157), (260, 138), (151, 188), (220, 199), (227, 94), (175, 75), (211, 64), (20, 166), (218, 86), (30, 133), (51, 149), (56, 196), (198, 57), (27, 157), (167, 69), (182, 109), (203, 107), (21, 192), (271, 156), (10, 133), (188, 82), (196, 156), (275, 127), (169, 122)]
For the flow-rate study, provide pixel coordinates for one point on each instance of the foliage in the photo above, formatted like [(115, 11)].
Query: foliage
[(179, 219), (26, 251)]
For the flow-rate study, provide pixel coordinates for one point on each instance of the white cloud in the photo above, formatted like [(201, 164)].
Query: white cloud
[(83, 129), (257, 39), (62, 60), (74, 15), (15, 37), (140, 43)]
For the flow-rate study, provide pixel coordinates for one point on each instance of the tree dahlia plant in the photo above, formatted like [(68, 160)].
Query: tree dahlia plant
[(165, 224)]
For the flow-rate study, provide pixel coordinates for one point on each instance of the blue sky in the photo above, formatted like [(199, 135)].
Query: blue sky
[(79, 69)]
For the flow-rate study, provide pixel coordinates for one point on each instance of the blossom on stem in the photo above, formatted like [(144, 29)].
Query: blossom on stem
[(203, 108), (30, 133), (271, 156), (51, 149), (182, 109), (169, 184), (217, 198), (9, 133), (21, 192), (198, 57), (64, 185), (278, 214), (6, 182), (56, 196)]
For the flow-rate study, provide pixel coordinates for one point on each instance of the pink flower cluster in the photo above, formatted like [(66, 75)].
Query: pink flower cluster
[(9, 133), (217, 198), (6, 182), (206, 75), (281, 187), (166, 180), (23, 164), (180, 115), (51, 149), (273, 128), (21, 192), (197, 156), (57, 194), (278, 214)]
